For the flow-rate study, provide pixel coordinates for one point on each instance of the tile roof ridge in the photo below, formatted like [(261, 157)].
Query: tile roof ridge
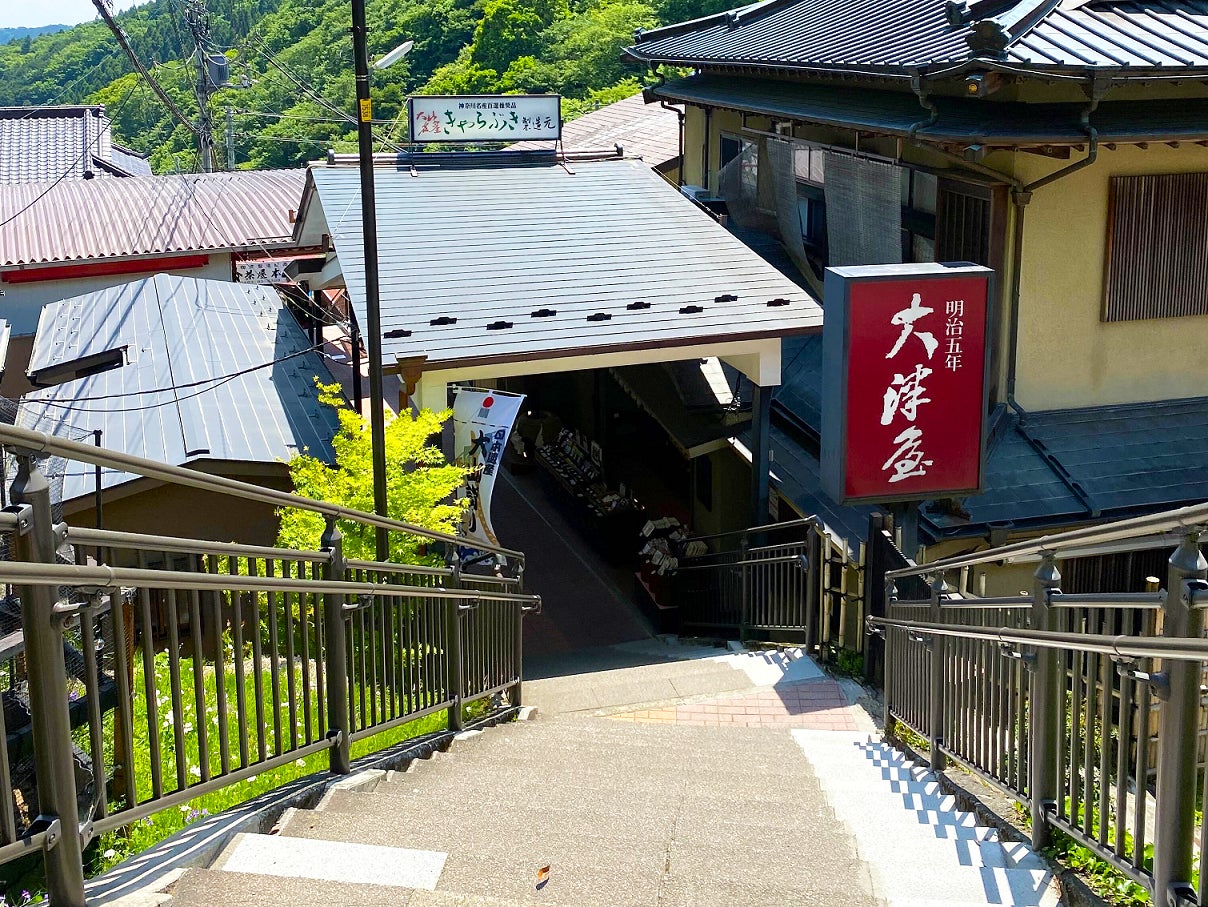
[(733, 18)]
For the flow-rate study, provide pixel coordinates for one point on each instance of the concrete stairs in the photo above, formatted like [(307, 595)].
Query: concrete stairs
[(923, 850), (623, 814)]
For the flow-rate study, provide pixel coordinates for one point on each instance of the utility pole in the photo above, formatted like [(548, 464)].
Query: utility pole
[(230, 139), (197, 18), (373, 337)]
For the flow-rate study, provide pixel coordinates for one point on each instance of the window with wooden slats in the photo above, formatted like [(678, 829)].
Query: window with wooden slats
[(1157, 247)]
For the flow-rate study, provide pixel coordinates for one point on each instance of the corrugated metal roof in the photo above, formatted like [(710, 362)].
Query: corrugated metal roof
[(96, 219), (960, 119), (514, 263), (897, 35), (644, 130), (49, 143), (168, 402)]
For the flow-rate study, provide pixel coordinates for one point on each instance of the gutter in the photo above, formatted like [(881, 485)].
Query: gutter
[(681, 115)]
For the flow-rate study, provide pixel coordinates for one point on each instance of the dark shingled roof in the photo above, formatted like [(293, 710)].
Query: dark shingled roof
[(895, 36), (959, 120), (50, 143)]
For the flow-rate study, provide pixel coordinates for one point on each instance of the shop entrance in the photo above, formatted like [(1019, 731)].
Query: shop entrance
[(614, 476)]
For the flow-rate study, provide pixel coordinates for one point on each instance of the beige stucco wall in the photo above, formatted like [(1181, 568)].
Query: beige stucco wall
[(1068, 357)]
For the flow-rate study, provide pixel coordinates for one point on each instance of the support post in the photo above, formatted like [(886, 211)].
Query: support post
[(377, 405), (453, 634), (761, 453), (1178, 724), (98, 503), (48, 705), (1047, 709), (936, 694), (358, 393), (336, 653)]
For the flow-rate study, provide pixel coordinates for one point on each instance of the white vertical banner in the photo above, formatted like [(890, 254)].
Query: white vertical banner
[(482, 421)]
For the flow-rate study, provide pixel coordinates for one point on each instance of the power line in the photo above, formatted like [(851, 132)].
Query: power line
[(138, 64), (210, 384)]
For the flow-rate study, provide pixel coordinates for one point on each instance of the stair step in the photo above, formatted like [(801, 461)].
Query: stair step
[(215, 888), (332, 860)]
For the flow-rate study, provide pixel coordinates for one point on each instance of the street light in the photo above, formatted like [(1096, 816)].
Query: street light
[(394, 56)]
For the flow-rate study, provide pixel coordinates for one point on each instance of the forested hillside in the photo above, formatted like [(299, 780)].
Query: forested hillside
[(292, 88)]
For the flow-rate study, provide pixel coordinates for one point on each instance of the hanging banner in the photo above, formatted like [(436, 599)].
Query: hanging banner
[(482, 421), (484, 118), (905, 365)]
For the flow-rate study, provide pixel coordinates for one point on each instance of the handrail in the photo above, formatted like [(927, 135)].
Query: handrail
[(1184, 518), (1123, 647), (105, 577), (98, 456), (770, 527), (112, 538)]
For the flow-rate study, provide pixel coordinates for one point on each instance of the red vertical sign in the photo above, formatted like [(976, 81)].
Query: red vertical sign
[(913, 384)]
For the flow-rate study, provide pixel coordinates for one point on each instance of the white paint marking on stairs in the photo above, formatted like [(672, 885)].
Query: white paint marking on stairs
[(333, 861), (921, 848), (768, 667)]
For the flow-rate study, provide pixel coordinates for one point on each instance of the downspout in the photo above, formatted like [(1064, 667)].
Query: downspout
[(681, 115), (1021, 195), (704, 154)]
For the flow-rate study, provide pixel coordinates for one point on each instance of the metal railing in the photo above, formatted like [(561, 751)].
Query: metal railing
[(1086, 708), (154, 670), (784, 581)]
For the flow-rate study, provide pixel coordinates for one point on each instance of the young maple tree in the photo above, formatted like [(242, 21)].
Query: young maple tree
[(420, 484)]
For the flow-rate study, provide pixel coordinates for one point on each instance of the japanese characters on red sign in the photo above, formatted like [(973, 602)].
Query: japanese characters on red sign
[(915, 385)]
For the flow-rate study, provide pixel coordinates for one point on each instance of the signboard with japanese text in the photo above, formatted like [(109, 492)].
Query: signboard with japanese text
[(905, 359), (482, 421), (485, 118)]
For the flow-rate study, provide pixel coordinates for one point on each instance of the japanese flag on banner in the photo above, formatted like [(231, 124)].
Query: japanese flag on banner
[(482, 421)]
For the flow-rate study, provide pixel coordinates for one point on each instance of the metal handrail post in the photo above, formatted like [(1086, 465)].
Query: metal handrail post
[(335, 628), (50, 719), (935, 703), (456, 679), (1178, 726), (744, 596), (1046, 719)]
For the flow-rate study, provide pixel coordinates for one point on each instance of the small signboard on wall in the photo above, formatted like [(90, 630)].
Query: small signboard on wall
[(485, 118), (905, 364)]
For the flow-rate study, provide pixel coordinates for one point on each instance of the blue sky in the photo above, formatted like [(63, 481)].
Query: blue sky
[(52, 12)]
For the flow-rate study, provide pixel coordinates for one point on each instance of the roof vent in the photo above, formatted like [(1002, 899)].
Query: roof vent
[(396, 334), (499, 325), (778, 301), (442, 321), (599, 316), (637, 306), (732, 18), (726, 297), (691, 310), (544, 313)]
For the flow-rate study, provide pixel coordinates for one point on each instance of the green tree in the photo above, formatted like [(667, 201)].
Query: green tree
[(420, 484)]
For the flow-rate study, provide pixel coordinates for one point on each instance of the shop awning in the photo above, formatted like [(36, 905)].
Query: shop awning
[(491, 271)]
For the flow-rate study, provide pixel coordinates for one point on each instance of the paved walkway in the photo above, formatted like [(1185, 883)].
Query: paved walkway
[(654, 775)]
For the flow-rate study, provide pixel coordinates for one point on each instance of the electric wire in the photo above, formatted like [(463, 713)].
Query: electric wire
[(200, 387)]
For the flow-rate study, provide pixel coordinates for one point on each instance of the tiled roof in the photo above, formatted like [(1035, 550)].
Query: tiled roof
[(96, 219), (49, 143), (897, 36), (648, 131), (166, 402)]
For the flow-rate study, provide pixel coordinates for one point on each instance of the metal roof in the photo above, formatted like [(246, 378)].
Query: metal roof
[(488, 265), (78, 220), (895, 36), (50, 143), (168, 402), (960, 119), (648, 131)]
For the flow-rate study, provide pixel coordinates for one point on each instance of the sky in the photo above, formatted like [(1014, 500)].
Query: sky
[(52, 12)]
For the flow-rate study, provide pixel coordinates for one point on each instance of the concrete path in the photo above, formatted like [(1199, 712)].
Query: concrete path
[(684, 776)]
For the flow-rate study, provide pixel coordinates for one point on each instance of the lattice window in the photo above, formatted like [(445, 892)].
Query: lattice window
[(1157, 247)]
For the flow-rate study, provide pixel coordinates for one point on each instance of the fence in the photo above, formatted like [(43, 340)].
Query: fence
[(152, 670), (1053, 697), (784, 581)]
